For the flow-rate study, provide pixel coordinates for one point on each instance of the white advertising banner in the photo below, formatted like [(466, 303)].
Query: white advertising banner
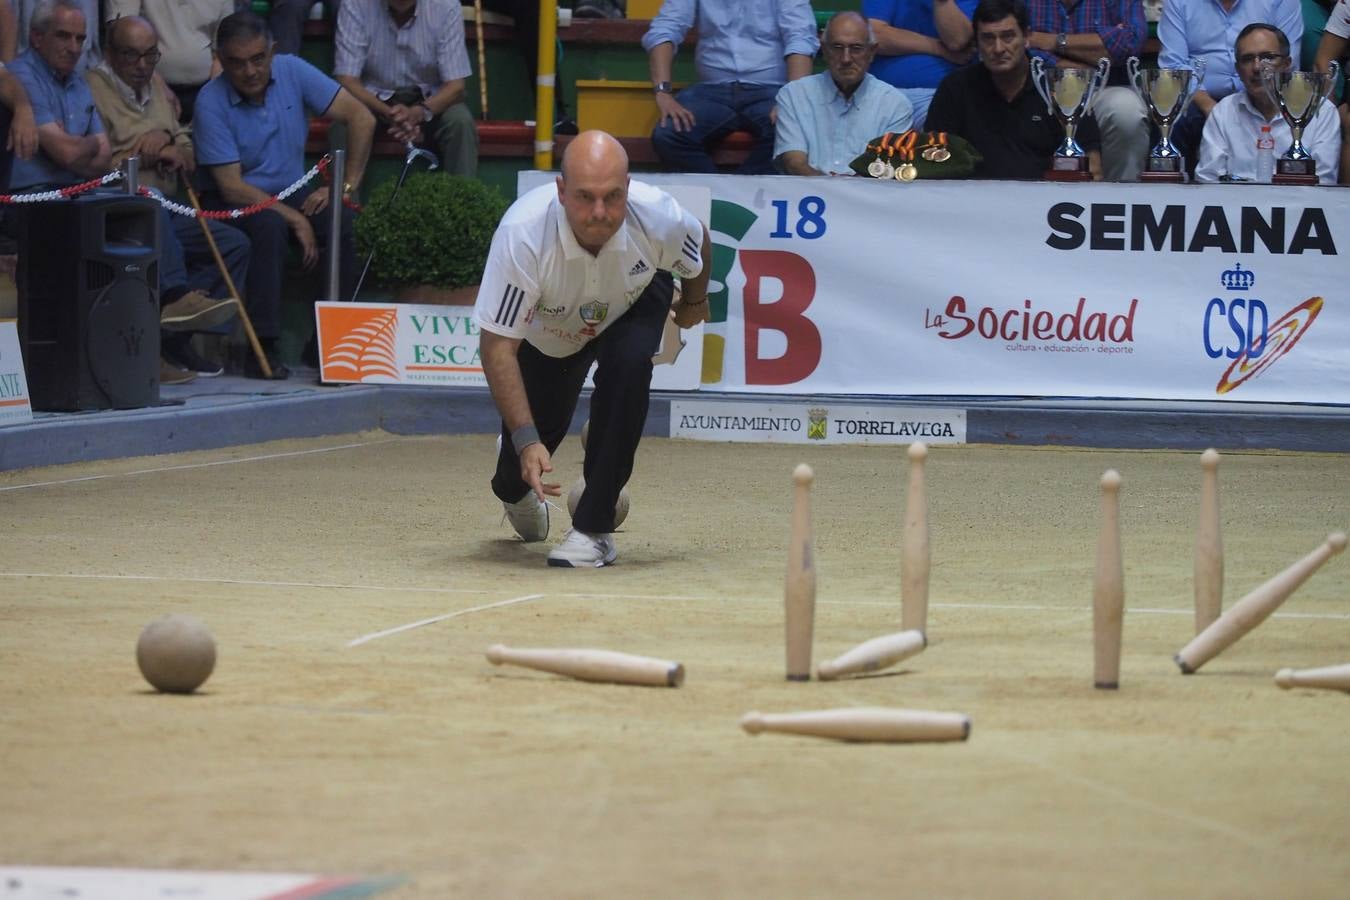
[(859, 286), (14, 402), (807, 423), (407, 343)]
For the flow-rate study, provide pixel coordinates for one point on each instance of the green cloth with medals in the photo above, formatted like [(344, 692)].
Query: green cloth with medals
[(908, 155)]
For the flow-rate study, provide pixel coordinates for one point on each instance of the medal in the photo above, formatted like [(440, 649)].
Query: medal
[(907, 172), (937, 154), (929, 153), (877, 169)]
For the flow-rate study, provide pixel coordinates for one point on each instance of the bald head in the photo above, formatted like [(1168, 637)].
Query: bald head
[(593, 188), (591, 152), (133, 51)]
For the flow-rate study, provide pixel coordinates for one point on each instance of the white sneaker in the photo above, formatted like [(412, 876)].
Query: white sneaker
[(528, 516), (580, 550)]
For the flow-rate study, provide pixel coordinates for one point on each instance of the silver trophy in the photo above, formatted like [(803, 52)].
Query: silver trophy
[(1299, 96), (1166, 93), (1067, 93)]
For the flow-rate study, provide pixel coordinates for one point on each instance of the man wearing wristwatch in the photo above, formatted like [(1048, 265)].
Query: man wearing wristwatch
[(1076, 33), (581, 272), (406, 61), (746, 51)]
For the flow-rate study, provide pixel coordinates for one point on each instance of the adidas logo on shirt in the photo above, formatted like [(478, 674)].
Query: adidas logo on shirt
[(638, 268)]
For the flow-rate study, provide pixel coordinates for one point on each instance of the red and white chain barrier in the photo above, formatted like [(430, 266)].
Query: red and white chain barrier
[(319, 168)]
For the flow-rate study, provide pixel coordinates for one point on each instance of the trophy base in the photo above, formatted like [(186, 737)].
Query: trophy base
[(1162, 177), (1068, 168), (1293, 178)]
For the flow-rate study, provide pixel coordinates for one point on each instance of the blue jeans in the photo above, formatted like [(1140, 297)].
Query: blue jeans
[(719, 109), (185, 259)]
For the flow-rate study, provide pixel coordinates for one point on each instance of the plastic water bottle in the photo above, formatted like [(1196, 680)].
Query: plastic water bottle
[(1265, 156)]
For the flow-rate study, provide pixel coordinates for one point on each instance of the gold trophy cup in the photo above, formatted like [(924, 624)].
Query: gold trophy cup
[(1067, 93)]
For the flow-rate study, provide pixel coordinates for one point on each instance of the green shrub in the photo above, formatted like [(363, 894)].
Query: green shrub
[(436, 232)]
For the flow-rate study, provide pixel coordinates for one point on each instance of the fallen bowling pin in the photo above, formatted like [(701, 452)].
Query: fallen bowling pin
[(1331, 678), (873, 655), (592, 665), (1255, 608), (869, 724)]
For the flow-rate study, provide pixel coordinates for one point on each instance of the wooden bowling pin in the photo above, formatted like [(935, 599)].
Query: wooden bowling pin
[(799, 594), (1108, 589), (915, 558), (864, 724), (1254, 608), (1208, 546), (874, 655), (1332, 678), (592, 665)]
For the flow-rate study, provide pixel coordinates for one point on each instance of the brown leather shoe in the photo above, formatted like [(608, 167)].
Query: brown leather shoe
[(194, 311), (171, 374)]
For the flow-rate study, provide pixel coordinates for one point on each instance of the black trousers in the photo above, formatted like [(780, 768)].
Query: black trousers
[(623, 381)]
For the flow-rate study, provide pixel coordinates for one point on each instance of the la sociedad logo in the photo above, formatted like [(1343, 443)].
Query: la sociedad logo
[(1240, 329)]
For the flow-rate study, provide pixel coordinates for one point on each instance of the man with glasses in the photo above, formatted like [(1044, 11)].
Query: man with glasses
[(826, 120), (993, 104), (185, 29), (746, 51), (138, 114), (1205, 29), (1228, 149), (250, 127)]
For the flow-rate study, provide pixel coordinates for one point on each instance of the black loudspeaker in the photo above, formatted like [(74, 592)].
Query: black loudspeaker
[(89, 301)]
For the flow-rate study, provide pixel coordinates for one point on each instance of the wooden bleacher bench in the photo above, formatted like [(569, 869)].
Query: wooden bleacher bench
[(516, 139)]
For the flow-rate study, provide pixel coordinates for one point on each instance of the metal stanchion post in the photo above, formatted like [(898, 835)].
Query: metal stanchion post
[(131, 172), (339, 173)]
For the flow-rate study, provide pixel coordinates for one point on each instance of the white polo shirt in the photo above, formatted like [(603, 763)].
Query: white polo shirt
[(1338, 23), (540, 285)]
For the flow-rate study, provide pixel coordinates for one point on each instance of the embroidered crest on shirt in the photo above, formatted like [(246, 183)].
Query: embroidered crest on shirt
[(592, 312)]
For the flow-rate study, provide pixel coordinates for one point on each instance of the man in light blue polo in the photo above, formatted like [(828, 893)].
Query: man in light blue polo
[(250, 124), (826, 120), (746, 51)]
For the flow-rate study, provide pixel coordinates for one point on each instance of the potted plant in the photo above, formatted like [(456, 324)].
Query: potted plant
[(431, 242)]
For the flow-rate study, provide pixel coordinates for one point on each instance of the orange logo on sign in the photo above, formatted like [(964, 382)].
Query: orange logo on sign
[(357, 343)]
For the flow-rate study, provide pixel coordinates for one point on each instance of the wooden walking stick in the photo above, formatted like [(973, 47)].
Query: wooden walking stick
[(482, 59), (229, 283)]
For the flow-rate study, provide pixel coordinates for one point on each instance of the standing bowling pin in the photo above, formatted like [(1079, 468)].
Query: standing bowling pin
[(864, 724), (1332, 678), (1108, 589), (799, 595), (1208, 546), (1254, 608), (914, 559)]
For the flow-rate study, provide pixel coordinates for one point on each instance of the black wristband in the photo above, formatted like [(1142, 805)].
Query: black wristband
[(523, 437)]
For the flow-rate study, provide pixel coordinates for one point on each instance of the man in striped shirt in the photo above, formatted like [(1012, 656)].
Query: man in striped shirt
[(406, 61), (580, 272)]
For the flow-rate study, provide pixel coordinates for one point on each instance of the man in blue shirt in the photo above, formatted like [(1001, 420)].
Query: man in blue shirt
[(920, 42), (250, 128), (826, 120), (1209, 29), (746, 51)]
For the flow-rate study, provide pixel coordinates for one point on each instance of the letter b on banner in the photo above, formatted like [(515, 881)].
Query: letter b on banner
[(784, 315)]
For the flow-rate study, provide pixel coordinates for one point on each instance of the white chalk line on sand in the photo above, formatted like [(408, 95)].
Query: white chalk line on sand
[(200, 465), (365, 638), (685, 598)]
